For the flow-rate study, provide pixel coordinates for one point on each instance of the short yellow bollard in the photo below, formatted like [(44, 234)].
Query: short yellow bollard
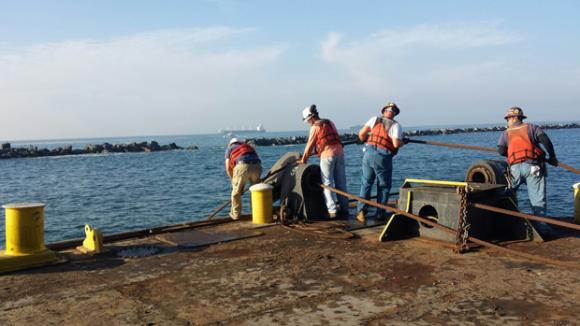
[(24, 228), (577, 203), (261, 203), (93, 243), (24, 237)]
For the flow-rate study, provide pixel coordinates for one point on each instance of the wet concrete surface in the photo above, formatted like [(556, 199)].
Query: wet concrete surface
[(286, 277)]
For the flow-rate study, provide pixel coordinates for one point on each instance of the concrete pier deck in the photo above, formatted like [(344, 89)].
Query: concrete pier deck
[(285, 277)]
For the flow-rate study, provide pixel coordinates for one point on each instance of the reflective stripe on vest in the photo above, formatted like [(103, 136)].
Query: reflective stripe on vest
[(243, 149), (379, 136), (520, 146), (327, 135)]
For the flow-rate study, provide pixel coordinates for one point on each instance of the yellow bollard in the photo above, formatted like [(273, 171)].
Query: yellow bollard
[(24, 237), (261, 203), (577, 203), (93, 243)]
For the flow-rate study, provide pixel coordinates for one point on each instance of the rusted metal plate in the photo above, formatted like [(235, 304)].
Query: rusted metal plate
[(353, 225), (200, 238)]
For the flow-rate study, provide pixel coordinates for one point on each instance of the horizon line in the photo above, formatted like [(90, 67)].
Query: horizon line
[(436, 126)]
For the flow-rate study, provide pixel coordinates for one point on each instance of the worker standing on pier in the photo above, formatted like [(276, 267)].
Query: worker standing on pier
[(520, 144), (324, 141), (383, 137), (242, 166)]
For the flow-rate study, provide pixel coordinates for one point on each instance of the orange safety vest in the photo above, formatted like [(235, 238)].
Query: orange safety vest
[(379, 135), (520, 146), (243, 149), (327, 135)]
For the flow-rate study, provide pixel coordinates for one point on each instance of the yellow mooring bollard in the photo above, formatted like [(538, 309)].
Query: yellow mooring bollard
[(93, 243), (24, 238), (261, 203), (577, 203)]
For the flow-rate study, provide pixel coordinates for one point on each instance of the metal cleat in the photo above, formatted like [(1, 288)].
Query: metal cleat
[(93, 243)]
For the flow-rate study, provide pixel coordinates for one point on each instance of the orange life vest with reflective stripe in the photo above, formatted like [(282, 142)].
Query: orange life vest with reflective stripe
[(243, 149), (520, 146), (379, 135), (327, 135)]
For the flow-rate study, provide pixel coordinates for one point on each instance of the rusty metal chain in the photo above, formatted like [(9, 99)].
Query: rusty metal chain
[(462, 224)]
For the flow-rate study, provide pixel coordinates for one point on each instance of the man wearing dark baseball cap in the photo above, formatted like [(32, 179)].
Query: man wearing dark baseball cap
[(383, 136), (520, 143)]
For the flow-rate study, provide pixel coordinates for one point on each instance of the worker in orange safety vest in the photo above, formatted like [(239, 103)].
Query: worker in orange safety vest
[(242, 165), (324, 142), (520, 143), (383, 136)]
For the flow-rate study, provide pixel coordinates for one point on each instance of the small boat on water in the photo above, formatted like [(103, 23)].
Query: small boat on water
[(260, 128)]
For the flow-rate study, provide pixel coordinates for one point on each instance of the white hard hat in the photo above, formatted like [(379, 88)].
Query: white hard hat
[(234, 140), (309, 112)]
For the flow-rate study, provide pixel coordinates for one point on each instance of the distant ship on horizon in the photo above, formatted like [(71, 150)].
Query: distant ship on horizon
[(243, 130)]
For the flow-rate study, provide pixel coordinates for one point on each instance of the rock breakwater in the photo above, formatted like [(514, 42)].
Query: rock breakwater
[(280, 141), (7, 151)]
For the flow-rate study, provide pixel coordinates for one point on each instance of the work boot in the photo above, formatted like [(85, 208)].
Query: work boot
[(361, 216)]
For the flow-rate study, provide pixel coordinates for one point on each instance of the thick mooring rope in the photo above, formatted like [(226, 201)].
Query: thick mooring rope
[(476, 148)]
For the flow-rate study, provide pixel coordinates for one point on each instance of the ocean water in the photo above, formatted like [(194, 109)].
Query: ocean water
[(131, 191)]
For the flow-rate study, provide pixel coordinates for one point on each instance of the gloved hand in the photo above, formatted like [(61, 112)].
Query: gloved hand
[(553, 161)]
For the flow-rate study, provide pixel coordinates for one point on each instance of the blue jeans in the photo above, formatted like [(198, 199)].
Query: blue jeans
[(334, 175), (535, 181), (379, 165)]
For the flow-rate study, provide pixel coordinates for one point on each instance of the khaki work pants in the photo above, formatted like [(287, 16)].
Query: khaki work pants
[(242, 174)]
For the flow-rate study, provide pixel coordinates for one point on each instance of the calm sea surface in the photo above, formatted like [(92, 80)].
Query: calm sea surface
[(122, 192)]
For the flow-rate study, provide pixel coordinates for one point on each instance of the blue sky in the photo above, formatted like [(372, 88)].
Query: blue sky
[(121, 68)]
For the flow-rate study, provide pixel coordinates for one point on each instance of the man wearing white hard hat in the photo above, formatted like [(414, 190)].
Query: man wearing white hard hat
[(324, 141), (242, 165), (520, 143)]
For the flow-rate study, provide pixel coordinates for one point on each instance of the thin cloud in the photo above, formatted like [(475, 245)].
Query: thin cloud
[(185, 37), (372, 62), (447, 36), (136, 84)]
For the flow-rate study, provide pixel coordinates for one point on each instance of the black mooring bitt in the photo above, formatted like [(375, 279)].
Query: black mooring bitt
[(440, 201), (441, 204), (297, 188)]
